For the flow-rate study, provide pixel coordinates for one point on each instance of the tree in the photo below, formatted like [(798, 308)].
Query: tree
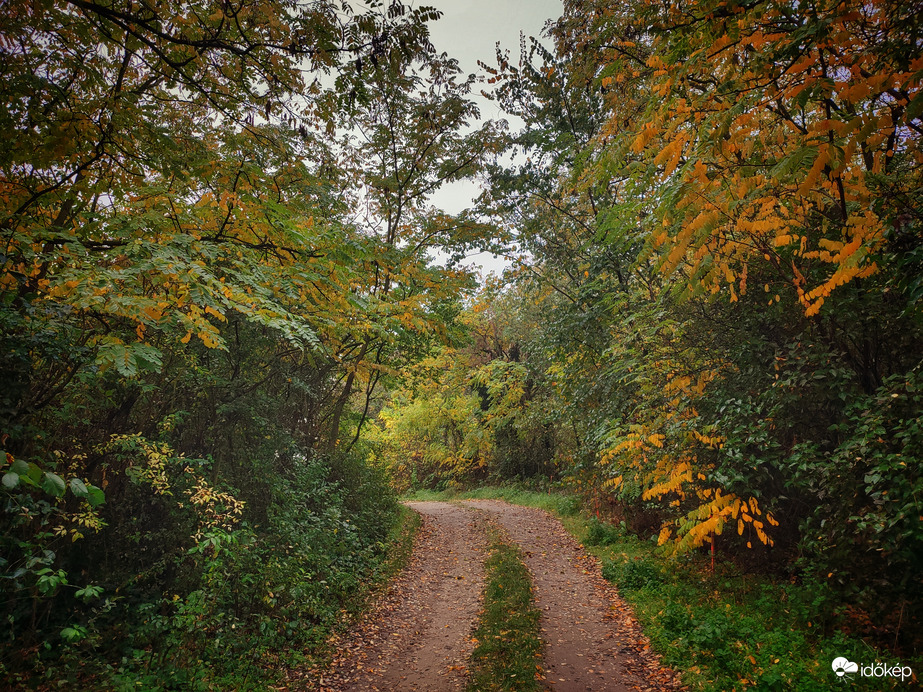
[(406, 111), (786, 140), (182, 289)]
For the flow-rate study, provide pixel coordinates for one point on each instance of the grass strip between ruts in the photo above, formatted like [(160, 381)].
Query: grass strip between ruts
[(508, 653)]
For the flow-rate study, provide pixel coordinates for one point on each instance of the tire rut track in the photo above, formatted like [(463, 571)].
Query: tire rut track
[(418, 638), (592, 640)]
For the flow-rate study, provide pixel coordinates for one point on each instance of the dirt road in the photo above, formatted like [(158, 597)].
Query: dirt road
[(418, 638)]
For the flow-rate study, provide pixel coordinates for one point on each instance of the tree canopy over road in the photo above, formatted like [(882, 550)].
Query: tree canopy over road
[(227, 343)]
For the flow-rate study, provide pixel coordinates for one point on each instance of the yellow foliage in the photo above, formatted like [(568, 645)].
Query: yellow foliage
[(664, 536), (786, 173)]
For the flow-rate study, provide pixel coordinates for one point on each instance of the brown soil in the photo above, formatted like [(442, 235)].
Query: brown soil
[(419, 635)]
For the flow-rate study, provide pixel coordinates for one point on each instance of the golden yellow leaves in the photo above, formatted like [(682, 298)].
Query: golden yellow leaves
[(781, 150), (823, 158), (710, 519), (678, 472), (713, 441), (147, 460), (216, 510), (665, 533), (154, 312), (195, 319), (157, 466), (670, 460), (612, 484), (669, 156), (648, 132), (630, 442)]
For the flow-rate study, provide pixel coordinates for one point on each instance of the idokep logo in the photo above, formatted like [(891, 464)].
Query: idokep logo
[(843, 667)]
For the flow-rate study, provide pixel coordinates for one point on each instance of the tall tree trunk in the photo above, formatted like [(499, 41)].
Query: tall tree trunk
[(341, 403)]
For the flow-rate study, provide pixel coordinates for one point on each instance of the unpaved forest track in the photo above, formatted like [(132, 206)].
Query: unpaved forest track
[(592, 641), (418, 638)]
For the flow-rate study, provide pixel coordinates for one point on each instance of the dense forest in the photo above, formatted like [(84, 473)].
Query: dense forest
[(233, 326)]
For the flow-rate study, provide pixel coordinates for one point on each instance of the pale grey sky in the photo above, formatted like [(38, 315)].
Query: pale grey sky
[(469, 31)]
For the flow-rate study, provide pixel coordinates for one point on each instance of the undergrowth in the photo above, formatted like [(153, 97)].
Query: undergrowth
[(396, 556), (272, 601), (263, 607), (509, 645), (722, 630)]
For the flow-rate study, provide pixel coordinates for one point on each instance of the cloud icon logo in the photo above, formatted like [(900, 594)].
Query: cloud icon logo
[(842, 666)]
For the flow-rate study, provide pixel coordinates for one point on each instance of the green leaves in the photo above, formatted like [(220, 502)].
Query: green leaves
[(50, 580), (74, 634), (31, 476), (130, 359), (89, 592), (21, 472), (53, 484), (93, 495)]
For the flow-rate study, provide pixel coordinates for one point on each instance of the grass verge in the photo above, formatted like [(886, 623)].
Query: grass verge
[(725, 630), (722, 630), (400, 546), (509, 646)]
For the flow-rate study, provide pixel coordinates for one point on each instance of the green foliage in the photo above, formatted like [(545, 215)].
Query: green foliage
[(736, 635), (631, 575), (191, 314), (430, 432), (869, 488), (468, 413), (242, 602), (283, 589), (509, 645), (602, 533)]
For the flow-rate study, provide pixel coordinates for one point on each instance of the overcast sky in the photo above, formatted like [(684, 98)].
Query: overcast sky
[(469, 31)]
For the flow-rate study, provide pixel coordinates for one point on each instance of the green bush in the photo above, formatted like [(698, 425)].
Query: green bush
[(632, 574), (602, 533)]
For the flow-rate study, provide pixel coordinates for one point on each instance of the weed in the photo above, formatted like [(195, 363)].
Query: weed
[(633, 574), (602, 533)]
